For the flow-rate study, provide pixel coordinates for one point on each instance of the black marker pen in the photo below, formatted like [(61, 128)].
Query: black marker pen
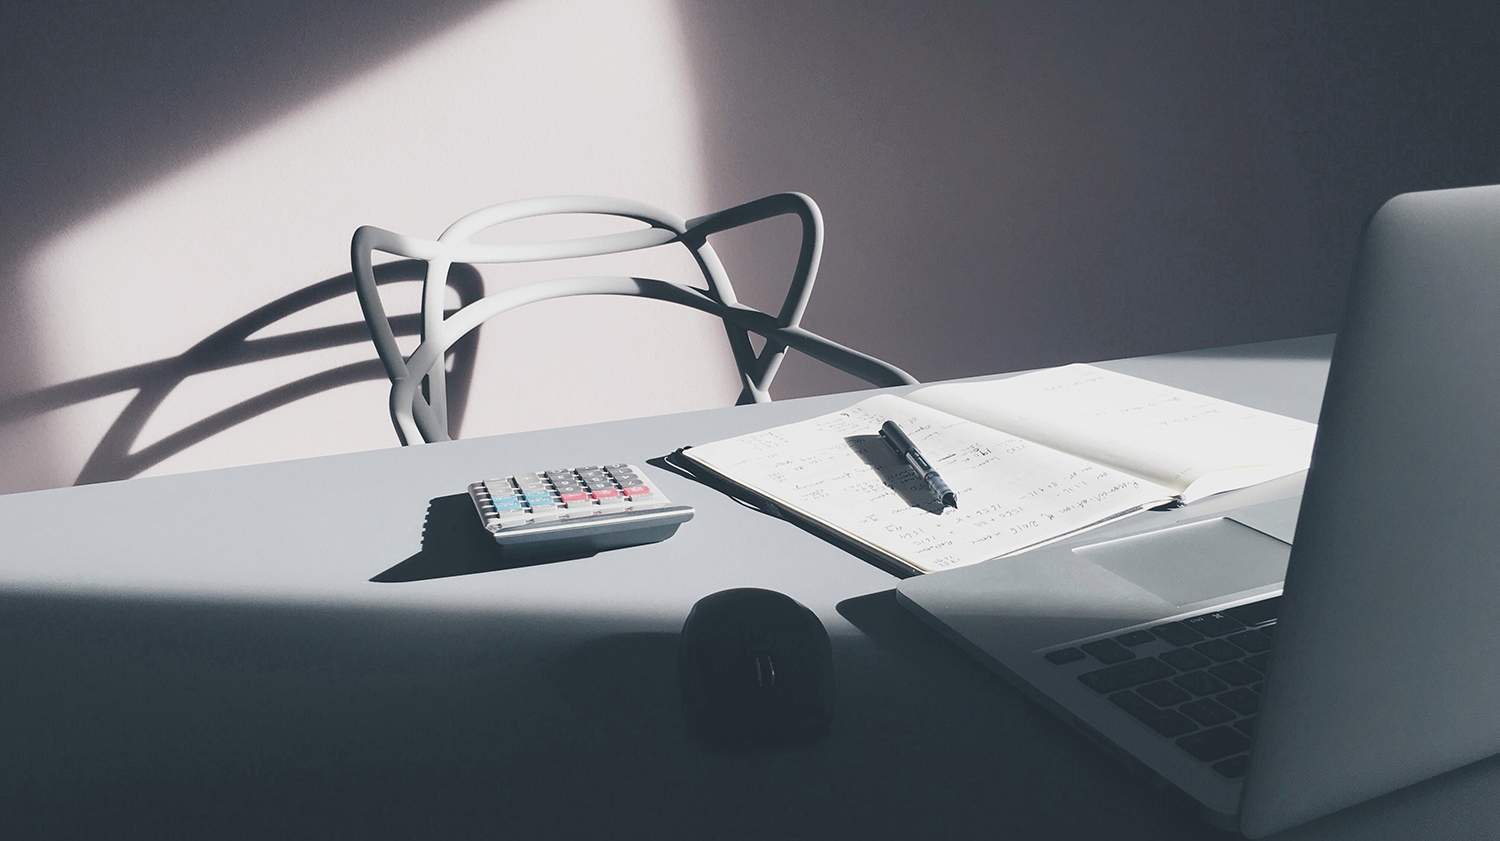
[(908, 451)]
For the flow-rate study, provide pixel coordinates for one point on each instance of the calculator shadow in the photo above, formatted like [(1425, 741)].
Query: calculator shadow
[(454, 542), (894, 472)]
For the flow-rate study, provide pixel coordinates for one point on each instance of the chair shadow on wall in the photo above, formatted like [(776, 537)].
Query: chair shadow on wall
[(233, 345)]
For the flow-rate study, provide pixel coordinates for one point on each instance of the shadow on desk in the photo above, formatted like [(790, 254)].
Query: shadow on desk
[(454, 542), (136, 717), (127, 716)]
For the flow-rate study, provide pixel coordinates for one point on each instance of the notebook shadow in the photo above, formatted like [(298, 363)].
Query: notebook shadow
[(455, 543), (676, 464)]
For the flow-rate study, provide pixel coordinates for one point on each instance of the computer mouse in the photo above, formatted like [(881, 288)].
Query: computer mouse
[(756, 666)]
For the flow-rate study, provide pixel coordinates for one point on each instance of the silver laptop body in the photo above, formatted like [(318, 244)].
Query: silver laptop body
[(1386, 635)]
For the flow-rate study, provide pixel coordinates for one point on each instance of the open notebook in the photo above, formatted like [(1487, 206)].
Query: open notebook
[(1032, 458)]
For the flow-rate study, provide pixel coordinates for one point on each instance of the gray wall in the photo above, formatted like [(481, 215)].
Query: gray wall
[(1006, 185), (1022, 184)]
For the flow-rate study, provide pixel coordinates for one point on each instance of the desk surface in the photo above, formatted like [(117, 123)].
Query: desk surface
[(208, 655)]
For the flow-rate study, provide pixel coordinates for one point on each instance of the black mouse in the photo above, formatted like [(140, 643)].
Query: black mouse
[(756, 666)]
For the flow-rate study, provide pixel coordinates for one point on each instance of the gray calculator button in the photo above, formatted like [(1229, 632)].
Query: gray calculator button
[(630, 482), (498, 488)]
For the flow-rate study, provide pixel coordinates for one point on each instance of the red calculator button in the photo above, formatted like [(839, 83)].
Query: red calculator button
[(638, 490), (575, 496), (611, 493)]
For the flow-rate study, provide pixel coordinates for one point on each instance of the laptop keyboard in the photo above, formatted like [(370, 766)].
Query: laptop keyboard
[(1200, 684)]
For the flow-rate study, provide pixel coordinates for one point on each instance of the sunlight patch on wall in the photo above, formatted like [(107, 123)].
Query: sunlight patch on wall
[(533, 97)]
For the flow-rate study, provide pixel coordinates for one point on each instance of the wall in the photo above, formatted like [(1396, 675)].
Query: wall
[(1006, 185)]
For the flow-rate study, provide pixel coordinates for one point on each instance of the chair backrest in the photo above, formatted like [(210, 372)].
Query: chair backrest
[(418, 416)]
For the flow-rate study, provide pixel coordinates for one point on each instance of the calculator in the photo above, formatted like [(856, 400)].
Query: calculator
[(576, 511)]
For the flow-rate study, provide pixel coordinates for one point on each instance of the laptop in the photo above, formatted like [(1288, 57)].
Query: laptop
[(1289, 651)]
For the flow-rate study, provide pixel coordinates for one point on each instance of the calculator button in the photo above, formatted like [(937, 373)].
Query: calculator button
[(580, 504), (637, 492), (504, 505), (575, 496)]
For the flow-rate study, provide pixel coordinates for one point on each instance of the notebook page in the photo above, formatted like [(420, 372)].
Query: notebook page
[(1195, 444), (1012, 494)]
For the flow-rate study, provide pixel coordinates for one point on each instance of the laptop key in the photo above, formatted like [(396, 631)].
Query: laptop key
[(1065, 655), (1236, 674), (1163, 693), (1216, 743), (1219, 650), (1169, 723), (1177, 633), (1207, 712), (1252, 641), (1214, 624), (1200, 683), (1234, 766), (1258, 662), (1185, 659), (1125, 675), (1108, 651), (1246, 726), (1241, 700), (1136, 638)]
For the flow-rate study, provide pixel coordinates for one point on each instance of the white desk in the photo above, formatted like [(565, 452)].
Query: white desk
[(206, 655)]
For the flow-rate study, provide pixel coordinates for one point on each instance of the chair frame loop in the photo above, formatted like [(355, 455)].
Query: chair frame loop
[(424, 417)]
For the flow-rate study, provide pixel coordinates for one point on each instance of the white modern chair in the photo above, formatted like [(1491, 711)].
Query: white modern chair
[(425, 417)]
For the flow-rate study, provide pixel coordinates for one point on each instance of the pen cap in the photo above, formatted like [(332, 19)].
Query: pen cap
[(897, 437), (903, 446)]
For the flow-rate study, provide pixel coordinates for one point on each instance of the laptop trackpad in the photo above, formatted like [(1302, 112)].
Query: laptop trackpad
[(1191, 563)]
